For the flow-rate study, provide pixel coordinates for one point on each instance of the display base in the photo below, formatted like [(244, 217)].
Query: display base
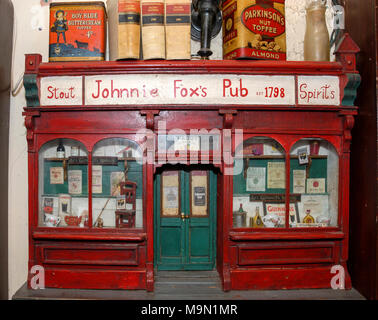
[(110, 279), (181, 285), (285, 278)]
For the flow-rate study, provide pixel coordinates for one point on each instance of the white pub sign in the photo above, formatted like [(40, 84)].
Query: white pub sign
[(175, 89)]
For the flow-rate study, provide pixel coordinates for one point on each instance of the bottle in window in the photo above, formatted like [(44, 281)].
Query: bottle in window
[(257, 221), (60, 150), (308, 218), (240, 217)]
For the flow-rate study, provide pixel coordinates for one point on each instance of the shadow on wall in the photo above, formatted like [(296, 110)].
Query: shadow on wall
[(6, 36)]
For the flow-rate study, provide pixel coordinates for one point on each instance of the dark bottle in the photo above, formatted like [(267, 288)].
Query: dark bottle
[(60, 150)]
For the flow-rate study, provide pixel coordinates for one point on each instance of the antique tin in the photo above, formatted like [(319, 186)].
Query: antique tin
[(77, 31), (254, 29), (239, 219)]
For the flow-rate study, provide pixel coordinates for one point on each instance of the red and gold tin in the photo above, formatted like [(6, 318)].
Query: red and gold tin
[(77, 31), (254, 29)]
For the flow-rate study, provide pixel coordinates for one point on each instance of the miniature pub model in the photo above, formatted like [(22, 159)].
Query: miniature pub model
[(238, 166)]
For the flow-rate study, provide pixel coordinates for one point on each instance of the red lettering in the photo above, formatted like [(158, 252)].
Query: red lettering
[(226, 85), (194, 92), (184, 92), (55, 93), (234, 92), (98, 90), (316, 94), (179, 90), (303, 93), (124, 90), (134, 90), (326, 87), (176, 87), (243, 91), (50, 89), (154, 93), (71, 90), (105, 93), (113, 90)]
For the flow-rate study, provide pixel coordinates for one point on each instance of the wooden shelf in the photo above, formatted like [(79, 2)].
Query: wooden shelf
[(192, 66)]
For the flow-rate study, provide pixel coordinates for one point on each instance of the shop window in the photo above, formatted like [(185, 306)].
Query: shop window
[(63, 184), (259, 184), (314, 177), (117, 184)]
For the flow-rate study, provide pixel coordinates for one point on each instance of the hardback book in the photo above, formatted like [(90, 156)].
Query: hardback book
[(177, 29), (124, 29), (153, 32)]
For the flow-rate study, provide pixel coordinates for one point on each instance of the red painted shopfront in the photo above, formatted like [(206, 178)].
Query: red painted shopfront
[(240, 166)]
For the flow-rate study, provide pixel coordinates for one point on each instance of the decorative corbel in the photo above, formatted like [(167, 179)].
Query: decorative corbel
[(29, 124), (346, 52), (32, 62), (228, 120), (150, 115), (228, 117), (353, 81), (150, 125)]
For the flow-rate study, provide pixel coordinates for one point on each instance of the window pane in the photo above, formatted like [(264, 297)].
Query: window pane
[(314, 176), (63, 184), (117, 184), (259, 184)]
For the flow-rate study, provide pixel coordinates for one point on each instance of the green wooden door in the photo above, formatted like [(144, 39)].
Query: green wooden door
[(185, 220)]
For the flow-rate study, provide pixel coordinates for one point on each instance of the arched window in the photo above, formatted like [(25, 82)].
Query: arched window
[(259, 184), (314, 178), (63, 184), (117, 184)]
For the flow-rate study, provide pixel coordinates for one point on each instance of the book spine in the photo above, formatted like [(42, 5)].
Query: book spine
[(153, 33), (177, 29), (128, 29)]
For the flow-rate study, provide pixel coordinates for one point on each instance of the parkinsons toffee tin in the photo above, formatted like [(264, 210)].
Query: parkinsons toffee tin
[(254, 29), (77, 31)]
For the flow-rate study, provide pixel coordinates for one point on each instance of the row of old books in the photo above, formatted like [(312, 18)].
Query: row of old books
[(149, 29)]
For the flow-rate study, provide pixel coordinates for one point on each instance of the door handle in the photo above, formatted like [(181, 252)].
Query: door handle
[(184, 216)]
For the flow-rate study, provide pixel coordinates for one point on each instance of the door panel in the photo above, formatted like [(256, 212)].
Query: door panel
[(185, 210), (199, 242), (170, 233), (170, 242)]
